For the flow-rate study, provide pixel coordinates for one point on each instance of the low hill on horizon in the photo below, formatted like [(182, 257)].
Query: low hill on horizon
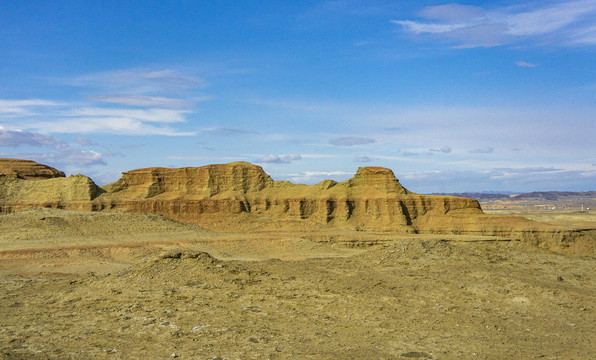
[(581, 200)]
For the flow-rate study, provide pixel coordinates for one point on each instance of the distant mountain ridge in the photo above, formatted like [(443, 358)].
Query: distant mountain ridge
[(536, 195)]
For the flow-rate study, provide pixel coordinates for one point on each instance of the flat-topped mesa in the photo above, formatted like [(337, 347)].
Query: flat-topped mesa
[(379, 178), (212, 196), (28, 170), (74, 192), (191, 182)]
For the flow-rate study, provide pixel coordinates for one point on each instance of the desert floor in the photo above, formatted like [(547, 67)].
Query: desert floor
[(76, 285)]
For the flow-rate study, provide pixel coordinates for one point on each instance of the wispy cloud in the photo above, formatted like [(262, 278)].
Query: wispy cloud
[(58, 152), (444, 150), (84, 141), (138, 81), (130, 102), (16, 138), (279, 159), (562, 22), (525, 64), (409, 153), (362, 159), (146, 101), (313, 177), (24, 107), (482, 150), (351, 141), (69, 156), (225, 131)]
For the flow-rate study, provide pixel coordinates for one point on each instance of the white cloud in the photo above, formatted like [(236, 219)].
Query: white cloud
[(409, 153), (444, 150), (468, 26), (142, 115), (144, 101), (313, 177), (351, 141), (585, 36), (59, 152), (482, 150), (549, 18), (138, 81), (70, 155), (16, 138), (420, 28), (147, 102), (224, 131), (23, 107), (84, 141), (362, 159), (525, 64), (279, 159), (106, 125)]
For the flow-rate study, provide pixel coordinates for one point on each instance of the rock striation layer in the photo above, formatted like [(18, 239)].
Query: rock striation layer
[(373, 200), (27, 169)]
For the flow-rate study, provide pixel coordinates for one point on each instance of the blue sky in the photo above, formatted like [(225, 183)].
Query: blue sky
[(469, 96)]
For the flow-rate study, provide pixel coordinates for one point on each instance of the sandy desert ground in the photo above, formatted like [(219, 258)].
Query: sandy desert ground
[(78, 285)]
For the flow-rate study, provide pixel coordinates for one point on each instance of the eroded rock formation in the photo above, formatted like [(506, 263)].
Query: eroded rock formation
[(373, 200), (28, 170)]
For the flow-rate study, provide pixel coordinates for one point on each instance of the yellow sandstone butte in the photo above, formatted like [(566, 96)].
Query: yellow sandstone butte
[(373, 200)]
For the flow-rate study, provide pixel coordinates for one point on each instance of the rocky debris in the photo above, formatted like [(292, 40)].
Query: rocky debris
[(28, 170), (200, 256)]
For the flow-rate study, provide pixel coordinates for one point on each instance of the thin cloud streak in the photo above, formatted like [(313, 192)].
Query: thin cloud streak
[(145, 101), (470, 26), (525, 64), (138, 81), (279, 159), (351, 141), (59, 152), (143, 105)]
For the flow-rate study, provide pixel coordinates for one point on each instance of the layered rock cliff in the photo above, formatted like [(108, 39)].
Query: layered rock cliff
[(27, 169), (373, 200)]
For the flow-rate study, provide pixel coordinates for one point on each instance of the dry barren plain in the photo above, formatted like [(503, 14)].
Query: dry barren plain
[(82, 285)]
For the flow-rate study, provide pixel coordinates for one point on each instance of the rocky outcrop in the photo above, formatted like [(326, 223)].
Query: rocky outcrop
[(73, 192), (28, 170), (373, 200), (190, 183)]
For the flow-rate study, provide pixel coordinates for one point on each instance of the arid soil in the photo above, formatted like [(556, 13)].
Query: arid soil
[(81, 285)]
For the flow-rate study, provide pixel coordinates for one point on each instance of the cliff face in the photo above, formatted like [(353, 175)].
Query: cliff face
[(373, 200), (27, 169), (25, 184), (73, 192), (190, 183)]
